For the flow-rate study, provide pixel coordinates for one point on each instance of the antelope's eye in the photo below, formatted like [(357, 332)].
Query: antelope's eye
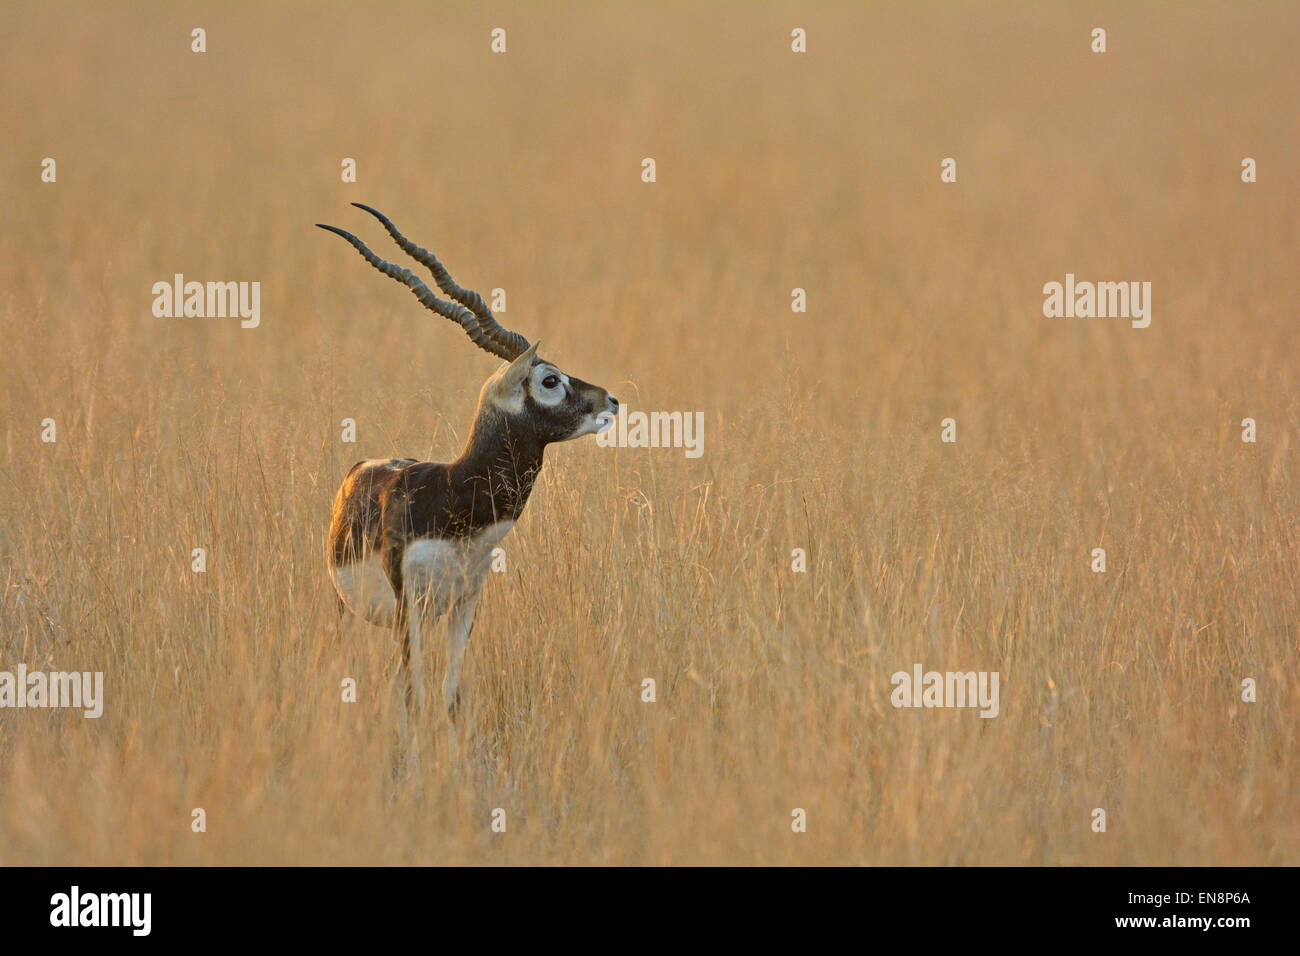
[(551, 381)]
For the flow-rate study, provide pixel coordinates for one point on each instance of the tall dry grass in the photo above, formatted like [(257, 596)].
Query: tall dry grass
[(1119, 690)]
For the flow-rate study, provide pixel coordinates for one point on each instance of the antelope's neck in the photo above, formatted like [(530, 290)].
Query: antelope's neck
[(498, 464)]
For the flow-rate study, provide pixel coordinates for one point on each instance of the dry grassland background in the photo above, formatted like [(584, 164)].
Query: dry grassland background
[(822, 430)]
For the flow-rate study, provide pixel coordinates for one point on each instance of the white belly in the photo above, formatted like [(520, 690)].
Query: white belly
[(364, 588), (436, 571), (439, 571)]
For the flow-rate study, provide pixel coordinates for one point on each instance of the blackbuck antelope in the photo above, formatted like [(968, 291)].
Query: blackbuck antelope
[(411, 541)]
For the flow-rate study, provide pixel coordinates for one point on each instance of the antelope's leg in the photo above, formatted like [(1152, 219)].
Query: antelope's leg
[(460, 622), (411, 610), (406, 626), (401, 631)]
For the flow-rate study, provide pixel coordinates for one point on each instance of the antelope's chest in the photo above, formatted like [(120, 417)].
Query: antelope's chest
[(441, 570)]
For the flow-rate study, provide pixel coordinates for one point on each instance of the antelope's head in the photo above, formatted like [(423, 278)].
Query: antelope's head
[(535, 395), (531, 394)]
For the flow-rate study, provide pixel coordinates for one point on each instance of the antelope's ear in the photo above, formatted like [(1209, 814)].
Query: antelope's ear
[(519, 368)]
